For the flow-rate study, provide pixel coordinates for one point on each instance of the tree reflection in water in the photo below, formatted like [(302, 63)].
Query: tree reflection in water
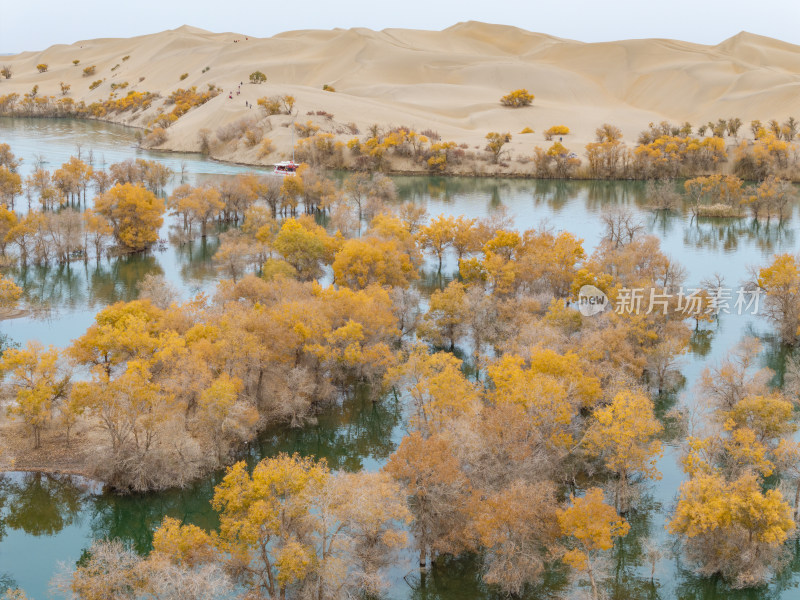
[(347, 434), (41, 504), (357, 433), (452, 578), (354, 434), (7, 583), (92, 285)]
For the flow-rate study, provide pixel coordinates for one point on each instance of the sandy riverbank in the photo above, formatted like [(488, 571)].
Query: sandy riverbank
[(448, 81)]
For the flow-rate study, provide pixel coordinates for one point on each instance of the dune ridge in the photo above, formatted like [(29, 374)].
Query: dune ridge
[(449, 81)]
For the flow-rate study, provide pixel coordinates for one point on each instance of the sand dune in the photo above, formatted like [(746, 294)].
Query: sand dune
[(449, 81)]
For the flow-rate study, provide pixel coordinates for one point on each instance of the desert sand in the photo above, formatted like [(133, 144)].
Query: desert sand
[(449, 81)]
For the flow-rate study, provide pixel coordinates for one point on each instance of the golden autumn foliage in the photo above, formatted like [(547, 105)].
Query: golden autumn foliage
[(556, 130), (495, 143), (557, 149), (607, 156), (731, 524), (535, 260), (306, 129), (133, 101), (438, 390), (7, 158), (493, 440), (392, 228), (708, 504), (715, 193), (222, 414), (72, 178), (669, 155), (769, 154), (437, 236), (542, 398), (134, 213), (38, 384), (275, 105), (440, 153), (517, 98), (591, 525), (363, 262), (170, 382), (733, 529), (516, 527), (770, 418), (201, 204), (622, 435), (319, 149), (781, 282), (548, 401), (306, 246), (438, 491), (10, 293), (10, 185), (378, 146), (183, 544), (556, 161), (186, 99), (263, 518), (289, 524), (445, 322), (772, 197)]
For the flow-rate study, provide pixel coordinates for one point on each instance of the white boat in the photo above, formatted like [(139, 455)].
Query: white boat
[(287, 167)]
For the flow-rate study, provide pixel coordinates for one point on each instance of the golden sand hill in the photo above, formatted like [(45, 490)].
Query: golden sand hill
[(449, 81)]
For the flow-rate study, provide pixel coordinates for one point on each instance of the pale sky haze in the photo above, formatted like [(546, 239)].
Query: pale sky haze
[(27, 25)]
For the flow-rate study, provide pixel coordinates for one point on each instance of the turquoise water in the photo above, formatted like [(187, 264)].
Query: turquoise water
[(45, 520)]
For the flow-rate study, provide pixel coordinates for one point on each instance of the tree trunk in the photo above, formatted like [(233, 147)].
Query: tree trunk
[(591, 579), (258, 385), (796, 498)]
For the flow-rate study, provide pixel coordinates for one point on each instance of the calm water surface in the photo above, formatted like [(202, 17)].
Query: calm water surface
[(47, 520)]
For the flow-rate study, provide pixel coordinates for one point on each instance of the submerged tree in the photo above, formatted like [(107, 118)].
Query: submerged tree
[(591, 527), (622, 435), (733, 529), (134, 213)]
